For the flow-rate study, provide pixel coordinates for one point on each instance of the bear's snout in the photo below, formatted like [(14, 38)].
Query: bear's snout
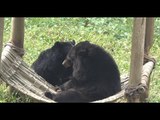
[(67, 63)]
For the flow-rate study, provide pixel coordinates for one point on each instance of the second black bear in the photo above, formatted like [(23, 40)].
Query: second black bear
[(49, 63), (95, 75)]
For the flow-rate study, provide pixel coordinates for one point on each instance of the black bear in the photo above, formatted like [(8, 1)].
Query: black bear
[(49, 63), (95, 75)]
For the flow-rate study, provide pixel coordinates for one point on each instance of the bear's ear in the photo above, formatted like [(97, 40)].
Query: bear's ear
[(73, 42), (87, 42), (57, 44), (83, 52)]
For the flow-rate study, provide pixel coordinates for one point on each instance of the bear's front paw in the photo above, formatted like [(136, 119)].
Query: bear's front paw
[(58, 89), (49, 95)]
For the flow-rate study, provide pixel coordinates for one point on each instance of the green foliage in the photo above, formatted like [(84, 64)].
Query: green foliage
[(6, 96), (113, 34)]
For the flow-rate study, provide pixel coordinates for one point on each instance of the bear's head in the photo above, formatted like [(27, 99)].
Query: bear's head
[(49, 63), (82, 49), (63, 47)]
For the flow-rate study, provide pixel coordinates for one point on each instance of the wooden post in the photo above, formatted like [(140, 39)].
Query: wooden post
[(1, 38), (17, 37), (149, 35), (17, 32), (137, 54), (148, 44)]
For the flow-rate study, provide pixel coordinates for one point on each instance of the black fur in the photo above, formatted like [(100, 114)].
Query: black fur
[(49, 63), (95, 75)]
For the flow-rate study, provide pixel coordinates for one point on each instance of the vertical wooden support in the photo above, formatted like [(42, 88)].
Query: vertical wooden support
[(17, 32), (137, 51), (137, 54), (17, 37), (149, 34), (148, 38), (148, 44), (1, 39)]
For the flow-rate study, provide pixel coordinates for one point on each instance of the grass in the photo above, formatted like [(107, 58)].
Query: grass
[(113, 34)]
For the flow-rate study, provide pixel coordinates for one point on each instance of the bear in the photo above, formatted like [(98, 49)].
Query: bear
[(95, 75), (49, 63)]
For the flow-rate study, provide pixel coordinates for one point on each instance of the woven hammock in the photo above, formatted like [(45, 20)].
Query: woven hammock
[(17, 74)]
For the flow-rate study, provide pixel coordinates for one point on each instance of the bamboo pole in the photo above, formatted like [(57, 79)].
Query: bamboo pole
[(148, 44), (17, 36), (137, 54), (149, 35), (17, 32), (1, 39)]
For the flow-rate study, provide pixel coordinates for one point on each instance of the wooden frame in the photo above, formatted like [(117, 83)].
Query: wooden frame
[(1, 38), (142, 41), (17, 34)]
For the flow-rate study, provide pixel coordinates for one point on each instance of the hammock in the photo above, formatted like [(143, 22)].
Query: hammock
[(17, 74)]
